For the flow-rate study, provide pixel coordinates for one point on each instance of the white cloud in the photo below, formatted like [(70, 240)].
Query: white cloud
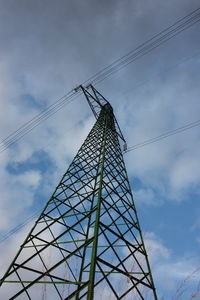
[(17, 193), (185, 171), (30, 178), (48, 50), (146, 196), (171, 273), (155, 248)]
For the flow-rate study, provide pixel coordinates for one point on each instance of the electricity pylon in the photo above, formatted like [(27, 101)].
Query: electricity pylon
[(87, 242)]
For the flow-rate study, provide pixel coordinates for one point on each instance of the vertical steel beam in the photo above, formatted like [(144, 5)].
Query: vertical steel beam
[(90, 294)]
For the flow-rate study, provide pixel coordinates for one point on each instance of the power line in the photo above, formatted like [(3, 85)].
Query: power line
[(37, 116), (167, 70), (136, 146), (30, 125), (146, 47), (132, 148), (19, 227), (143, 49), (164, 136)]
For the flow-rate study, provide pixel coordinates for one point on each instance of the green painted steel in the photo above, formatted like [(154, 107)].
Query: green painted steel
[(44, 282), (87, 243)]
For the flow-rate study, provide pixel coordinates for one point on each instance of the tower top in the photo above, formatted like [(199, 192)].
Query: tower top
[(96, 101)]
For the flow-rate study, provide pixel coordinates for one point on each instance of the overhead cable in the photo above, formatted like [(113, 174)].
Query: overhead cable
[(30, 125), (19, 227), (152, 43), (132, 148), (163, 136), (143, 49)]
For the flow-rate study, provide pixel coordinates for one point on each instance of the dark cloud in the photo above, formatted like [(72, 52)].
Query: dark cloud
[(69, 40)]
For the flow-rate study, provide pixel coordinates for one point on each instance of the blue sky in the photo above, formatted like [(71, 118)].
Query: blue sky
[(48, 48)]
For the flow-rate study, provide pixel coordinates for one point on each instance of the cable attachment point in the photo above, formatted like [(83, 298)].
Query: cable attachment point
[(78, 88), (125, 147)]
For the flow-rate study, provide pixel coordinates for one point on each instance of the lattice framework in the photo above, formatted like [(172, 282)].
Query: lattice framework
[(87, 240)]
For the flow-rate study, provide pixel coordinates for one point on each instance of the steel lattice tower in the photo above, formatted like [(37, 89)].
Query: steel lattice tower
[(87, 242)]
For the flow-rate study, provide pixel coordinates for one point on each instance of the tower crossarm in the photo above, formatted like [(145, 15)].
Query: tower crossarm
[(96, 101)]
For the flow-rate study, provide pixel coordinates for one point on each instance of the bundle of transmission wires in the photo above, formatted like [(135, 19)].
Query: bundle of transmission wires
[(143, 49)]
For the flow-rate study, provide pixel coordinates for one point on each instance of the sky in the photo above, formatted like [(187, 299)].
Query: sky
[(50, 47)]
